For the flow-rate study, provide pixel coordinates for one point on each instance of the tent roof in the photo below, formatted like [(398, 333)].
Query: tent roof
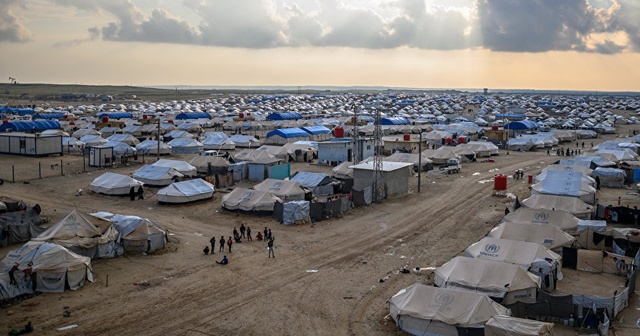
[(549, 236), (283, 189), (557, 218), (395, 121), (449, 306), (288, 133), (110, 180), (22, 126), (116, 115), (152, 172), (249, 200), (181, 166), (521, 125), (310, 180), (500, 325), (316, 130), (47, 116), (570, 204), (510, 251), (187, 188), (284, 116), (386, 166), (45, 257), (193, 115)]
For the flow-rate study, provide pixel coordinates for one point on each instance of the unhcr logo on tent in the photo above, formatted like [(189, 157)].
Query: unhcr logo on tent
[(541, 216), (444, 298), (490, 250), (568, 168)]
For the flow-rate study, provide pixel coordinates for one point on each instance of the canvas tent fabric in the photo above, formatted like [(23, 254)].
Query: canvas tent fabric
[(284, 116), (610, 177), (20, 225), (156, 175), (136, 234), (151, 147), (573, 205), (565, 183), (500, 280), (182, 167), (26, 126), (426, 310), (574, 168), (126, 138), (217, 140), (510, 251), (285, 190), (114, 184), (427, 164), (558, 218), (549, 236), (186, 146), (521, 125), (186, 191), (245, 141), (116, 115), (85, 235), (53, 266), (249, 200), (201, 162), (588, 180), (193, 115), (342, 171), (503, 325)]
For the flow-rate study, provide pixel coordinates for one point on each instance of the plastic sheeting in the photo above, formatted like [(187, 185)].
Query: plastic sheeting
[(295, 211), (186, 191)]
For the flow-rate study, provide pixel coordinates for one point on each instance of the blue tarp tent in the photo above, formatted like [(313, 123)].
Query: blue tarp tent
[(15, 110), (510, 116), (521, 125), (193, 115), (316, 130), (25, 126), (116, 115), (395, 121), (284, 116), (47, 116), (288, 133)]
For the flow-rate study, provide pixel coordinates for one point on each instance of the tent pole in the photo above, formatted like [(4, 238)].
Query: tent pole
[(419, 160)]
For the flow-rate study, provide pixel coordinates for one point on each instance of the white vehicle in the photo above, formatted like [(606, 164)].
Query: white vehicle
[(213, 152), (453, 166)]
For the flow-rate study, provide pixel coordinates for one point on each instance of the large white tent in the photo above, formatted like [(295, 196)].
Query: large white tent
[(510, 251), (182, 167), (114, 184), (570, 204), (136, 234), (426, 310), (249, 200), (53, 267), (285, 190), (549, 236), (186, 191), (503, 325), (497, 279), (151, 147), (85, 235), (156, 175)]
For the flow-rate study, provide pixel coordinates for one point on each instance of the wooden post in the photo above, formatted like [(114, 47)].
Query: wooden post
[(61, 168), (39, 170)]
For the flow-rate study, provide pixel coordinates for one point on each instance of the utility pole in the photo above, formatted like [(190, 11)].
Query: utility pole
[(158, 153), (419, 161), (378, 183), (355, 158)]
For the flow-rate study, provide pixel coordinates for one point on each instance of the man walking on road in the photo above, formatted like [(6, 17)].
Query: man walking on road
[(212, 241), (221, 244), (270, 248)]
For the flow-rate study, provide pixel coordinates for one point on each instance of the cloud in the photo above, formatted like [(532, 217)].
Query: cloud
[(496, 25), (12, 26)]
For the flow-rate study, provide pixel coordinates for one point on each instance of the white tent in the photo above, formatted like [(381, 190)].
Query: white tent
[(53, 267), (126, 138), (218, 164), (549, 236), (217, 140), (500, 280), (71, 144), (151, 147), (120, 148), (182, 167), (426, 310), (186, 191), (570, 204), (87, 236), (558, 218), (139, 234), (114, 184), (186, 146), (156, 175), (502, 325), (285, 190), (563, 183), (510, 251), (249, 200), (92, 140)]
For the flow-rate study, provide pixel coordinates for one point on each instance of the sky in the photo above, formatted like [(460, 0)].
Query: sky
[(507, 44)]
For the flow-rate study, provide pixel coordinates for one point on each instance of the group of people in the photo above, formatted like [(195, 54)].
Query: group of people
[(566, 152), (238, 235), (519, 174), (133, 193)]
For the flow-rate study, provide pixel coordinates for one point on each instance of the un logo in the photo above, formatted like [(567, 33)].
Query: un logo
[(542, 216), (444, 298), (492, 248), (568, 168)]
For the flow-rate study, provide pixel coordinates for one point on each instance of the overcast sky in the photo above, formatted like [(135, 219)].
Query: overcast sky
[(533, 44)]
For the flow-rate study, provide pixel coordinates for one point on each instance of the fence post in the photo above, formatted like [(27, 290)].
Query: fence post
[(39, 170), (13, 173), (61, 168)]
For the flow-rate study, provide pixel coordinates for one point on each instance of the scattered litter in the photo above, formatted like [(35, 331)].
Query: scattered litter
[(198, 234), (434, 182), (170, 234), (493, 170), (71, 326), (150, 208), (384, 279), (510, 195), (404, 270), (485, 181), (167, 278), (403, 257), (475, 174), (418, 270), (312, 271)]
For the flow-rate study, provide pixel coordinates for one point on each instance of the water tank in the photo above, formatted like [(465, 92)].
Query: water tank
[(338, 132), (241, 115), (448, 140), (461, 140), (144, 116), (407, 137), (500, 182), (494, 127), (104, 119)]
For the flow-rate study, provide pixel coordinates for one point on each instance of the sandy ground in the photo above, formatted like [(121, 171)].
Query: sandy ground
[(325, 280)]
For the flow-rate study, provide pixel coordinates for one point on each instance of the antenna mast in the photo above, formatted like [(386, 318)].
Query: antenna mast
[(355, 158), (378, 183)]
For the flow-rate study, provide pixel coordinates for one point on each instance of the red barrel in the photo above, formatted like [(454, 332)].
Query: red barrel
[(461, 140), (530, 179), (448, 140), (144, 116), (494, 127), (241, 115), (105, 119), (407, 137), (500, 182), (338, 132)]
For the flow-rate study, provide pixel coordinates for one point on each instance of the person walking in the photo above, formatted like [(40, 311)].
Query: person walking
[(270, 248), (140, 193), (243, 229), (265, 233), (269, 235), (221, 244), (249, 233), (212, 241), (132, 193), (229, 243)]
